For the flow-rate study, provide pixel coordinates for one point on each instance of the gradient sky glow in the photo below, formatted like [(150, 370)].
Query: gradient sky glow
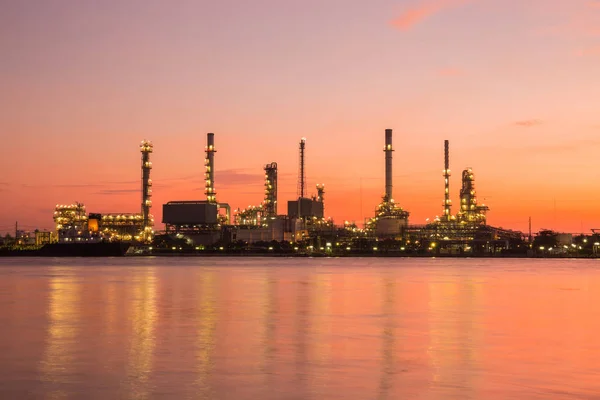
[(512, 84)]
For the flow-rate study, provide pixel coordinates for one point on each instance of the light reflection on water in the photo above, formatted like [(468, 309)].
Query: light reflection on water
[(299, 328), (59, 359), (205, 317), (453, 337), (143, 317)]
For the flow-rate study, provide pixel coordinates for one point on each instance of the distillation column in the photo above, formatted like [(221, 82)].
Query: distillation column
[(321, 195), (146, 148), (209, 164), (321, 192), (388, 165), (447, 202), (470, 211), (270, 205)]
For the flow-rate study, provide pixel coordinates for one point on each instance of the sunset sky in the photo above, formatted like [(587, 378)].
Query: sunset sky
[(514, 85)]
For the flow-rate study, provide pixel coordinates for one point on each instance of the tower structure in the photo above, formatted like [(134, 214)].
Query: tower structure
[(446, 215), (270, 203), (321, 192), (389, 219), (321, 195), (302, 171), (388, 166), (470, 211), (146, 148), (209, 165)]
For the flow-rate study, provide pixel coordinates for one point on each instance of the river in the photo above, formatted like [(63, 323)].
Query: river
[(298, 328)]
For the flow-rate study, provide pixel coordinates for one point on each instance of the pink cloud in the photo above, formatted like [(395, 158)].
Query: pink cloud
[(528, 123), (422, 10)]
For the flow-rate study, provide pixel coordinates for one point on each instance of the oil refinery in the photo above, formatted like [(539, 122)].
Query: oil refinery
[(73, 225), (204, 225)]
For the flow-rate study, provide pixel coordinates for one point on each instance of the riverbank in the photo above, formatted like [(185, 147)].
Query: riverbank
[(218, 254)]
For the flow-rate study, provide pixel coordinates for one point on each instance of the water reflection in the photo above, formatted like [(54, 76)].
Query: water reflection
[(320, 340), (59, 362), (301, 327), (143, 315), (435, 329), (207, 326), (388, 338), (111, 323), (269, 324), (454, 322)]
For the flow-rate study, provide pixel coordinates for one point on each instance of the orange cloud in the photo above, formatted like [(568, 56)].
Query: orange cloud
[(528, 123), (419, 12)]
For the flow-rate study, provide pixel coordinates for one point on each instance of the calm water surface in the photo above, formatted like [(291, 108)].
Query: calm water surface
[(269, 328)]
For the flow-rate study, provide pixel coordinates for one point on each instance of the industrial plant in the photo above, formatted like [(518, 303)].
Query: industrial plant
[(72, 224), (199, 221), (208, 224), (390, 219), (199, 224)]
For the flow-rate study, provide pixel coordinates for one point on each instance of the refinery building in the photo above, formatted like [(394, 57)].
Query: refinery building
[(206, 222), (73, 224)]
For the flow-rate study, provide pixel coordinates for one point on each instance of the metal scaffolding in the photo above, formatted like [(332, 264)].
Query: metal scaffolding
[(470, 211), (270, 203)]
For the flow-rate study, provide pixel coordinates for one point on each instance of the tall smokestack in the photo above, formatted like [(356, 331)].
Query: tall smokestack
[(388, 165), (146, 148), (447, 202), (302, 172), (209, 164)]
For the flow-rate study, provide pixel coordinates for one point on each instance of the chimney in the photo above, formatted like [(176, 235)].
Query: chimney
[(388, 165), (209, 165), (447, 202)]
